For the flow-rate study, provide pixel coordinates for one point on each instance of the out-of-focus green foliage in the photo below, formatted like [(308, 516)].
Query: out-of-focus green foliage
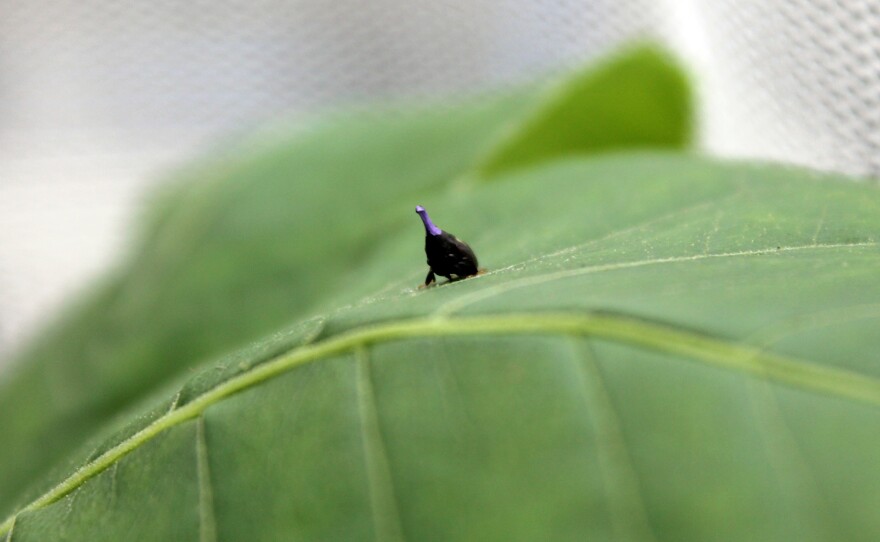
[(634, 102), (261, 238)]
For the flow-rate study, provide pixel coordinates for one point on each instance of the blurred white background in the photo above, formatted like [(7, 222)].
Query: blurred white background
[(99, 97)]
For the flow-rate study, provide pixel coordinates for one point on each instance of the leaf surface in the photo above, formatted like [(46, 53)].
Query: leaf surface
[(665, 347), (262, 236)]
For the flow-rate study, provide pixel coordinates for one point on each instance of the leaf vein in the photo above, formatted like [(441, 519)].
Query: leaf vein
[(113, 490), (207, 520), (491, 291), (820, 224), (675, 215), (386, 516), (629, 518), (693, 346), (789, 464)]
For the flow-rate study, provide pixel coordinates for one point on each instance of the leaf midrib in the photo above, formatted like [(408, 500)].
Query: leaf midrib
[(626, 329)]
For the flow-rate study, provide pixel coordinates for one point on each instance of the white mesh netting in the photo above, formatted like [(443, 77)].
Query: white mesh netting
[(96, 96)]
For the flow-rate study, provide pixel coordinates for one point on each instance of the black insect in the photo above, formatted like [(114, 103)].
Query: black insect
[(447, 256)]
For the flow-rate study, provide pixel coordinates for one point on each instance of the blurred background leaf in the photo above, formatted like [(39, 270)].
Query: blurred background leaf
[(636, 101)]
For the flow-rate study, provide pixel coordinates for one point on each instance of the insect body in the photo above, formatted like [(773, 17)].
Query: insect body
[(447, 255)]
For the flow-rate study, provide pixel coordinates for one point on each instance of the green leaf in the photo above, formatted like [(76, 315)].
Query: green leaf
[(665, 347), (269, 232), (637, 100)]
